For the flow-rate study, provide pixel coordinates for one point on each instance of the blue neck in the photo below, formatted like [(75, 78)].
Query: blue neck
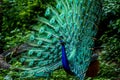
[(65, 62)]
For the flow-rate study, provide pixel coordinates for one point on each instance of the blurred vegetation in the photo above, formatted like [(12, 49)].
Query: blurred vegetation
[(110, 40), (20, 16)]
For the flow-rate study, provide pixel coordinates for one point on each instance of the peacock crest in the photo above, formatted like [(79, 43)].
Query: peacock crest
[(66, 33)]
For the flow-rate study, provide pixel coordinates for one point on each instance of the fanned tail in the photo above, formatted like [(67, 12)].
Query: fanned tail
[(76, 21)]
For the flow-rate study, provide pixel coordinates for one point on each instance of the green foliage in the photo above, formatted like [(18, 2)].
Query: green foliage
[(108, 70), (8, 74), (111, 7), (111, 37), (16, 39), (110, 67), (112, 48), (2, 74), (18, 18)]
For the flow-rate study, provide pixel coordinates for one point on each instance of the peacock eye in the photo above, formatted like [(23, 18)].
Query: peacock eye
[(47, 47), (30, 52), (49, 35), (59, 6), (39, 42), (42, 30), (52, 20), (32, 37), (47, 13), (39, 54), (22, 60), (31, 63), (62, 15)]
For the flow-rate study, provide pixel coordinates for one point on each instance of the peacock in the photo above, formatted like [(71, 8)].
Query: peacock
[(64, 39)]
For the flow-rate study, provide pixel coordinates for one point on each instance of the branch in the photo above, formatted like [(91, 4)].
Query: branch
[(3, 63)]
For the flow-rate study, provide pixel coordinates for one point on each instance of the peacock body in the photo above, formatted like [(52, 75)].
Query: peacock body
[(64, 38)]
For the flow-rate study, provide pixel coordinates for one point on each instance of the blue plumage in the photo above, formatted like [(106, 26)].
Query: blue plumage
[(65, 62)]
